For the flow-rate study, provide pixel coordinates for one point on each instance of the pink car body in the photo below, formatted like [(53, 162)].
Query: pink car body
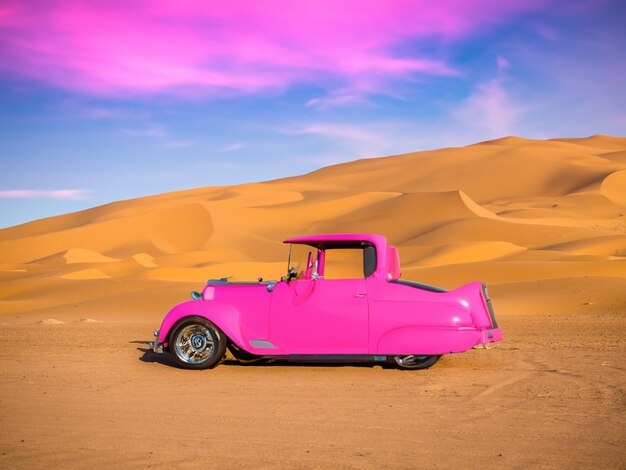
[(376, 317)]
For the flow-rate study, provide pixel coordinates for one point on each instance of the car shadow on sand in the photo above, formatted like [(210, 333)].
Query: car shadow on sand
[(148, 355), (285, 363), (166, 359)]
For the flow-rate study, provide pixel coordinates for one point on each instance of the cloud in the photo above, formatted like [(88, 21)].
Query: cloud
[(490, 108), (502, 63), (151, 131), (111, 48), (159, 134), (233, 147), (334, 130), (107, 112), (350, 141), (100, 112), (177, 144), (72, 194), (336, 99)]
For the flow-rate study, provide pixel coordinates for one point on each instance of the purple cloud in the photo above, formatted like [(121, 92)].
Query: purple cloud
[(118, 48)]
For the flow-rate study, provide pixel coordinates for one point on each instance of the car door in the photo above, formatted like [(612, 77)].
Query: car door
[(322, 316)]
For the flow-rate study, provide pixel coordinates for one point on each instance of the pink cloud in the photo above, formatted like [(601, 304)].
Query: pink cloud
[(43, 194), (490, 107), (114, 47), (503, 63)]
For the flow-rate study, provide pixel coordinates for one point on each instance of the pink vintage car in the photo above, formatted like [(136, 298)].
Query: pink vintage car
[(342, 300)]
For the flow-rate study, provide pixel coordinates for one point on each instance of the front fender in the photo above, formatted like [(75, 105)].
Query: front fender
[(222, 314)]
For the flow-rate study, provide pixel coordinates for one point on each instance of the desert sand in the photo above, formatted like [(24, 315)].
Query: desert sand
[(543, 223)]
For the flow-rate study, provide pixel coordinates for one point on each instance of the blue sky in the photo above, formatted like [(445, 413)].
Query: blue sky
[(84, 122)]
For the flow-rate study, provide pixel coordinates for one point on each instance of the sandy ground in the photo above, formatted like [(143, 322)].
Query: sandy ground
[(83, 394)]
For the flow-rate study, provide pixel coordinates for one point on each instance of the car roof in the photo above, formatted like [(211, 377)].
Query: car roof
[(336, 240)]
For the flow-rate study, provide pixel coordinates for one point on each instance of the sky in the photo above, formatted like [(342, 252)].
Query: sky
[(108, 100)]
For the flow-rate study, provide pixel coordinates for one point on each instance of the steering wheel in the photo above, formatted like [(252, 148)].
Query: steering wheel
[(292, 273)]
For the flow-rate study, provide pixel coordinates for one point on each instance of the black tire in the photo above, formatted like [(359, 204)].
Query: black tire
[(242, 355), (196, 343), (413, 361)]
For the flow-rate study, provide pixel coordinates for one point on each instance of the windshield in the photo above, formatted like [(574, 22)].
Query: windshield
[(304, 259)]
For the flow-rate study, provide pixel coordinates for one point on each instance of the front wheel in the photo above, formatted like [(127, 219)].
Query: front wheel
[(413, 361), (196, 343)]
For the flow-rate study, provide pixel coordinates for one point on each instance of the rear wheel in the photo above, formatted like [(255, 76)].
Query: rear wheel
[(413, 361), (196, 343)]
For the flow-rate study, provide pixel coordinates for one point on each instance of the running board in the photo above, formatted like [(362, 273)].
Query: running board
[(332, 358)]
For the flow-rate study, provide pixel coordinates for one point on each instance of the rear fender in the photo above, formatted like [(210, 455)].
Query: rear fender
[(470, 295), (425, 340)]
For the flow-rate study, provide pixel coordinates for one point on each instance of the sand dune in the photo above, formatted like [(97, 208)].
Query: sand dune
[(91, 273), (145, 260), (80, 255), (613, 188), (503, 211), (469, 253)]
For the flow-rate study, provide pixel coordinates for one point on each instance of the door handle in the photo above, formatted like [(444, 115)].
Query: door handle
[(360, 295)]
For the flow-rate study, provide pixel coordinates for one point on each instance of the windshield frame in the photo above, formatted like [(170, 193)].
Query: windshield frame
[(316, 255)]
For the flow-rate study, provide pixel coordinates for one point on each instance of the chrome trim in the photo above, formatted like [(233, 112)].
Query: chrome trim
[(261, 343), (410, 361), (487, 300), (155, 345)]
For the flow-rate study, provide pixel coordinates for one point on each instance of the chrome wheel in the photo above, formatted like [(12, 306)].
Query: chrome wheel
[(414, 361), (195, 344)]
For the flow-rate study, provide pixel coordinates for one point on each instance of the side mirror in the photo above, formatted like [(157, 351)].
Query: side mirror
[(292, 273)]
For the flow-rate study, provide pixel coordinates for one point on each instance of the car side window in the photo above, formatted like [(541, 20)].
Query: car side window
[(349, 263), (369, 260)]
